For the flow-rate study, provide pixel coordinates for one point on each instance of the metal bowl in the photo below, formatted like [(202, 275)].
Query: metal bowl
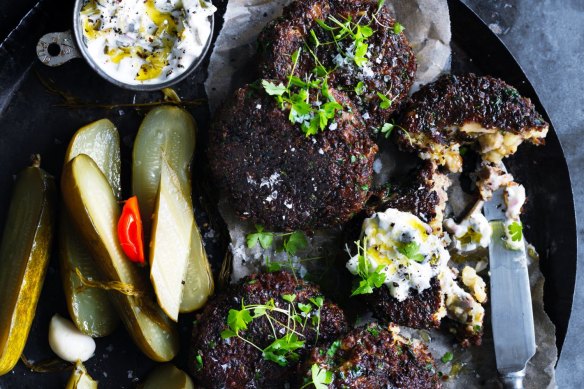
[(56, 48)]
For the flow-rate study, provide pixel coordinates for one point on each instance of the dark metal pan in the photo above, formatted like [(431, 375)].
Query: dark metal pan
[(33, 120)]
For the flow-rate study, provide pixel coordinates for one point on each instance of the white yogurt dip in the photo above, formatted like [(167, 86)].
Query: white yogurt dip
[(405, 249), (145, 41)]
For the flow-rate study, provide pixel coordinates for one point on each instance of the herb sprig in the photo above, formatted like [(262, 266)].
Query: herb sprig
[(321, 377), (303, 98), (369, 279), (291, 243), (283, 349)]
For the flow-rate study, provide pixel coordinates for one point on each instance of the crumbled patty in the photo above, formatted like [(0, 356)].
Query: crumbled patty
[(422, 194), (484, 112), (280, 178), (423, 309), (391, 63), (234, 363), (375, 357)]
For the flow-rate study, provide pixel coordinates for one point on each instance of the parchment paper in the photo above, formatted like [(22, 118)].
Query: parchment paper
[(427, 26)]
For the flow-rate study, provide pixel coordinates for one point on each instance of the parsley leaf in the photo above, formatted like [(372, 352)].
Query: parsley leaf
[(317, 301), (360, 52), (296, 241), (289, 298), (320, 377), (447, 357), (516, 231), (283, 350), (385, 101), (332, 350), (238, 319), (306, 308), (273, 89), (373, 280), (387, 129), (198, 362), (410, 250), (398, 28), (359, 88), (265, 239)]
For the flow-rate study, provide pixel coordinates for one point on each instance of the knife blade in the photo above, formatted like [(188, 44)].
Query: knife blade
[(511, 309)]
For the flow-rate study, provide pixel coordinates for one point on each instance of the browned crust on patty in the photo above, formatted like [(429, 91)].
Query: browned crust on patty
[(422, 194), (277, 176), (420, 310), (392, 62), (374, 357), (453, 100), (234, 363)]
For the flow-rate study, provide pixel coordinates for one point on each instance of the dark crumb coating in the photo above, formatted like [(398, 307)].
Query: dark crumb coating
[(375, 357), (420, 310), (392, 64), (482, 112), (455, 100), (464, 335), (277, 176), (422, 194), (234, 363)]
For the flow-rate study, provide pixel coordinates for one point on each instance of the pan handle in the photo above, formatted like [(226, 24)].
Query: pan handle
[(56, 48)]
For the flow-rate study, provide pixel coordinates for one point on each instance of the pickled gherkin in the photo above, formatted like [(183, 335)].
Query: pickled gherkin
[(89, 308), (24, 258), (90, 198), (170, 132)]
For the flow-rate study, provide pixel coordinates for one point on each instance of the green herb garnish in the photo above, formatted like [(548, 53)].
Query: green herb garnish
[(370, 278), (321, 378), (283, 349), (447, 357), (411, 250), (198, 362), (516, 231), (385, 102), (387, 129), (398, 28), (265, 239)]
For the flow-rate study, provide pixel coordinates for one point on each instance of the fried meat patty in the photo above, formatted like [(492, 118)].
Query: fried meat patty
[(282, 179), (390, 63), (484, 112), (423, 309), (423, 194), (235, 363), (375, 357)]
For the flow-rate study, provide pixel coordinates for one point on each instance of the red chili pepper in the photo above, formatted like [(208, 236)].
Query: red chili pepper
[(130, 232)]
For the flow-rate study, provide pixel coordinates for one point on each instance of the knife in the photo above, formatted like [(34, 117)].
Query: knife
[(511, 309)]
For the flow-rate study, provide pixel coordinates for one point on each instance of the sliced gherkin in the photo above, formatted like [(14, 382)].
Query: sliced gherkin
[(24, 258), (80, 379), (89, 196), (169, 377), (171, 131), (90, 308)]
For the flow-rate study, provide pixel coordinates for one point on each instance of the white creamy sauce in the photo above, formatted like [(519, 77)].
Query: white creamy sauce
[(145, 41), (514, 199), (405, 249), (473, 232)]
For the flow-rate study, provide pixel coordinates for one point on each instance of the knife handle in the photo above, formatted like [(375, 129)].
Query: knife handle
[(513, 380)]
